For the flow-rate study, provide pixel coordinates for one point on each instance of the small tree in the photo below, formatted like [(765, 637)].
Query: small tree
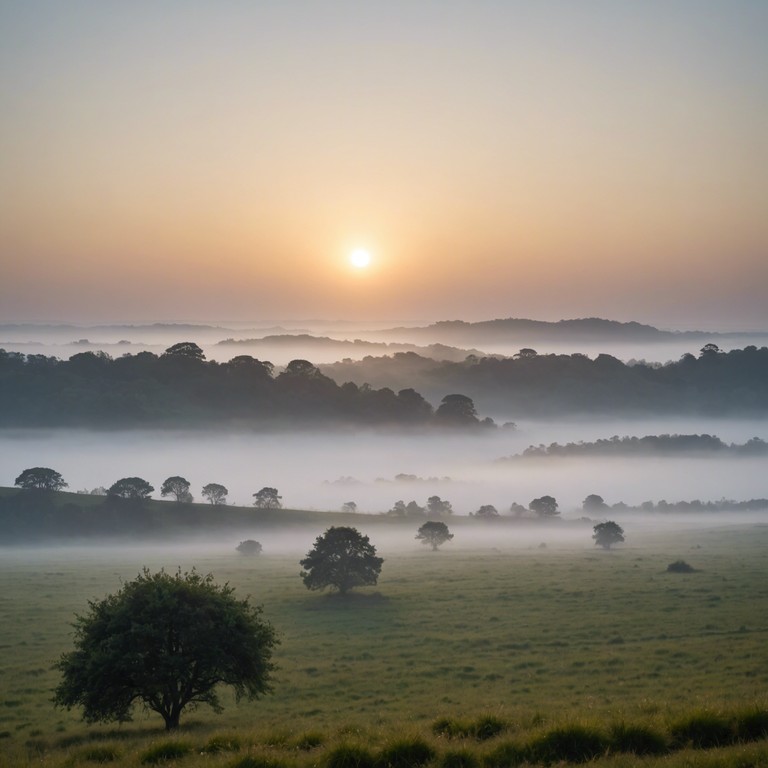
[(544, 506), (130, 488), (487, 511), (608, 533), (40, 479), (349, 507), (594, 503), (267, 498), (398, 509), (342, 559), (434, 533), (249, 547), (166, 642), (178, 487), (215, 493)]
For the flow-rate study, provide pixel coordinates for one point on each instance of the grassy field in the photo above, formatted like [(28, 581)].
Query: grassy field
[(537, 639)]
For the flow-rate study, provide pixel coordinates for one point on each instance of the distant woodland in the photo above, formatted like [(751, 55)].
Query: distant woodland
[(529, 384), (180, 388)]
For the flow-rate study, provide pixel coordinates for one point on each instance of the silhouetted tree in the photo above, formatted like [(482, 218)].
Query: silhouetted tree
[(249, 547), (398, 509), (186, 350), (457, 410), (40, 479), (349, 507), (436, 506), (342, 559), (166, 642), (178, 487), (267, 498), (593, 503), (518, 510), (545, 506), (526, 353), (412, 509), (487, 511), (607, 533), (434, 533), (215, 493), (131, 488)]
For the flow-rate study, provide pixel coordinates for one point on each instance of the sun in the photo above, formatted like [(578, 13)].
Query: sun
[(359, 258)]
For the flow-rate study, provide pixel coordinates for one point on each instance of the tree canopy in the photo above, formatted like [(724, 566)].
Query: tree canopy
[(178, 487), (130, 488), (544, 506), (40, 479), (342, 558), (166, 642), (434, 533), (608, 533), (267, 498), (215, 493)]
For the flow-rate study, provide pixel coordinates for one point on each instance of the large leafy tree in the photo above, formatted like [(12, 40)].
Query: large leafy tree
[(40, 479), (342, 559), (166, 642), (267, 498), (434, 533), (131, 488), (437, 506), (215, 493), (178, 487), (608, 533), (544, 506)]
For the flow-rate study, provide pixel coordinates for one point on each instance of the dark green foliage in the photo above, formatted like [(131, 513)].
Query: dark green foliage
[(637, 739), (751, 724), (162, 753), (100, 754), (450, 728), (702, 730), (350, 756), (406, 753), (572, 744), (680, 566), (310, 740), (459, 758), (222, 743), (166, 642), (342, 559), (488, 727), (482, 729)]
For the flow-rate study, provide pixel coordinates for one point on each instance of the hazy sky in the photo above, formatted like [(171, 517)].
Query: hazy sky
[(219, 160)]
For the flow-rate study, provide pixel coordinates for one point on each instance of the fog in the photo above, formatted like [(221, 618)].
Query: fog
[(323, 470)]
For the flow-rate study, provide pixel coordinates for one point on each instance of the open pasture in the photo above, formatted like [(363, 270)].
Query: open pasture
[(533, 636)]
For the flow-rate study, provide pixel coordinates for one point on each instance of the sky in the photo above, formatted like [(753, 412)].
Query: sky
[(209, 161)]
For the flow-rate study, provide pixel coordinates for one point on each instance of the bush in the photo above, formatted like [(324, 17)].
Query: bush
[(349, 756), (310, 740), (450, 728), (461, 758), (572, 744), (406, 753), (702, 730), (752, 725), (167, 750), (101, 754), (222, 743), (680, 566), (506, 756), (488, 727), (638, 739)]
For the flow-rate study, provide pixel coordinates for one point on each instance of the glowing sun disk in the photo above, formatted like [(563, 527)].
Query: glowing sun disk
[(360, 258)]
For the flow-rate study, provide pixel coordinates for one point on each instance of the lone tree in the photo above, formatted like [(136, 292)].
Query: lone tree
[(267, 498), (166, 642), (350, 507), (544, 506), (249, 547), (434, 533), (215, 493), (487, 511), (130, 488), (608, 533), (594, 503), (178, 487), (342, 559), (40, 479)]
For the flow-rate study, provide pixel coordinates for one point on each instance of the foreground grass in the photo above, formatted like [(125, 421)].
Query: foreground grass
[(535, 640)]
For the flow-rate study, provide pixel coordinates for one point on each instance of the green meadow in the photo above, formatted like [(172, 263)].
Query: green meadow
[(529, 641)]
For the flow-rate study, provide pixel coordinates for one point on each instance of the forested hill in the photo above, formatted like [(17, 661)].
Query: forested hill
[(712, 383), (181, 389)]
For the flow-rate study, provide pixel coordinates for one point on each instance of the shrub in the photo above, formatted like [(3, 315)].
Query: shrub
[(167, 750), (680, 566), (222, 743), (450, 728), (638, 739), (752, 725), (461, 758), (101, 754), (482, 729), (406, 753), (702, 730), (349, 756), (487, 727), (572, 744)]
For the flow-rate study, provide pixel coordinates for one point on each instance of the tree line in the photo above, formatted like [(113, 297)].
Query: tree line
[(181, 388)]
